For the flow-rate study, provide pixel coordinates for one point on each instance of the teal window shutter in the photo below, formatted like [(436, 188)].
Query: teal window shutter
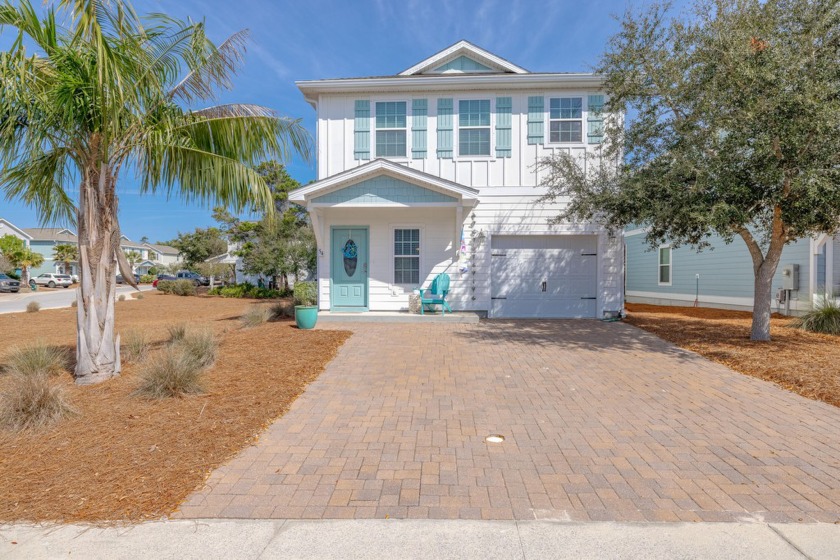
[(444, 129), (504, 107), (361, 130), (595, 119), (536, 120), (419, 113)]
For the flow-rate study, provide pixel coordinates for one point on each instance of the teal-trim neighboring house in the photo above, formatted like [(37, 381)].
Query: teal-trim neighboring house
[(43, 242), (722, 276)]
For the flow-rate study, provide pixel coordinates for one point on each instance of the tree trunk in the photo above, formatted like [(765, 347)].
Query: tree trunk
[(97, 344), (763, 294)]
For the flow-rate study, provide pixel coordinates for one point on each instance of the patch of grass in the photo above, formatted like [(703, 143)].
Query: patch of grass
[(135, 346), (33, 402), (823, 318), (33, 307), (177, 332), (256, 316), (37, 359), (173, 372), (200, 345), (138, 296), (74, 303), (121, 298)]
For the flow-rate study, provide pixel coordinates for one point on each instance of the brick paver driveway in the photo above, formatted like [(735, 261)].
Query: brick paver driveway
[(601, 421)]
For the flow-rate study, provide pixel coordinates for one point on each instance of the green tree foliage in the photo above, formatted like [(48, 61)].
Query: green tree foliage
[(8, 245), (200, 245), (25, 259), (106, 90), (133, 257), (732, 129), (273, 248), (66, 253)]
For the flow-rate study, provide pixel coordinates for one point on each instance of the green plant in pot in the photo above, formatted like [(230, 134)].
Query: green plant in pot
[(306, 308)]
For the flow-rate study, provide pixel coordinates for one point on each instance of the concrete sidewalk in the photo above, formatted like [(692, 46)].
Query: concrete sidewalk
[(422, 539)]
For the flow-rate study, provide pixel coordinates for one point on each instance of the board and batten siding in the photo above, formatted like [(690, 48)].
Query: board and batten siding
[(337, 139), (726, 274)]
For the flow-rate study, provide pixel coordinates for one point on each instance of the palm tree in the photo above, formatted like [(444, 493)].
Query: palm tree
[(25, 259), (66, 253), (106, 91)]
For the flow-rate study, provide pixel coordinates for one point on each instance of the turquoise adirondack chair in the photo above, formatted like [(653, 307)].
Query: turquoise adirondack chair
[(436, 294)]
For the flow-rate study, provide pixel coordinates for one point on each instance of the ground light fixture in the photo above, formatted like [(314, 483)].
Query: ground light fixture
[(494, 438)]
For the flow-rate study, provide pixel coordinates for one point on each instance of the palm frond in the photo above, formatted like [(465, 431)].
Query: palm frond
[(23, 17), (39, 181), (211, 68)]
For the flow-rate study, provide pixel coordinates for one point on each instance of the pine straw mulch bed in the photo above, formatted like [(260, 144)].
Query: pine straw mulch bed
[(129, 459), (803, 362)]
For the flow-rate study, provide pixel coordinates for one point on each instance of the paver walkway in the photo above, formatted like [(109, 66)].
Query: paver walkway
[(601, 422)]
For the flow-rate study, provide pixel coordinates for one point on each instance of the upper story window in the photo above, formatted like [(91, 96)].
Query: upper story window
[(565, 121), (390, 129), (474, 127)]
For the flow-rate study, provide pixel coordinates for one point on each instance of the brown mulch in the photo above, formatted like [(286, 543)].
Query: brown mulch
[(127, 458), (803, 362)]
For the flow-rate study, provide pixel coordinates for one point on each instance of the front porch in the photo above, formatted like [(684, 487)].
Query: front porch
[(459, 317)]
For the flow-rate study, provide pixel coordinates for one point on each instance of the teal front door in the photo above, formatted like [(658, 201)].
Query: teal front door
[(349, 269)]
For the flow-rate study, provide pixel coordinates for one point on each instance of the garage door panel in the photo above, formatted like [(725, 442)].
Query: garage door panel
[(544, 276)]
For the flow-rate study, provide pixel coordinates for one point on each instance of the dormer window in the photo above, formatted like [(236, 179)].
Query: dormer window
[(565, 123), (474, 127), (390, 129)]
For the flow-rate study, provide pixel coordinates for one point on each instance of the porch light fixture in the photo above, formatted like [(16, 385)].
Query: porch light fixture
[(495, 438)]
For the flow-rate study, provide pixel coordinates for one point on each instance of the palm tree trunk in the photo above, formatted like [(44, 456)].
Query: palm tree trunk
[(98, 346)]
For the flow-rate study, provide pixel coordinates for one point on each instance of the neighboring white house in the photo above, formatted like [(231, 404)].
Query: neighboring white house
[(433, 170), (8, 228)]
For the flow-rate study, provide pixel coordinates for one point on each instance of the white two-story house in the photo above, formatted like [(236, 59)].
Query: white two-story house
[(434, 171)]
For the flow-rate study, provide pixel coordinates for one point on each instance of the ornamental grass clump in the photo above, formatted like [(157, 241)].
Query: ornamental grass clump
[(177, 332), (256, 316), (37, 359), (135, 346), (201, 345), (173, 372), (823, 318), (33, 307), (31, 402)]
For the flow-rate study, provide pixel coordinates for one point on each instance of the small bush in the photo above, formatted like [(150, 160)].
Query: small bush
[(138, 296), (147, 279), (823, 318), (247, 290), (74, 303), (306, 293), (33, 307), (122, 297), (33, 401), (201, 345), (177, 287), (135, 346), (177, 332), (38, 359), (281, 310), (173, 372), (256, 316)]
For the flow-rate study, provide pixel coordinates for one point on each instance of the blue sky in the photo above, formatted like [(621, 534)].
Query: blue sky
[(314, 39)]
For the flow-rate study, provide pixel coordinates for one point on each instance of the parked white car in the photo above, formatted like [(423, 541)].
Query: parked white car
[(53, 280)]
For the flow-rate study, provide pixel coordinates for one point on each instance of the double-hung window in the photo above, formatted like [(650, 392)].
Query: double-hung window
[(565, 120), (407, 256), (474, 127), (390, 129), (664, 266)]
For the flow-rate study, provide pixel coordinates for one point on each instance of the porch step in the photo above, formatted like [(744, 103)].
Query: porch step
[(462, 317)]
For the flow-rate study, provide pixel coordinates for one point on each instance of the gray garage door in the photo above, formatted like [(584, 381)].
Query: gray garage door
[(544, 276)]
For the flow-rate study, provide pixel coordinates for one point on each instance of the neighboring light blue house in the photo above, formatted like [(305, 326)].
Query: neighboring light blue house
[(723, 277)]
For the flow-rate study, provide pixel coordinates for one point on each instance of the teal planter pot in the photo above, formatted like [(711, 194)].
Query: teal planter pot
[(306, 316)]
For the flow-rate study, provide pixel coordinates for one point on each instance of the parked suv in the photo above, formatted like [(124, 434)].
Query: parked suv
[(197, 279), (8, 284), (52, 280)]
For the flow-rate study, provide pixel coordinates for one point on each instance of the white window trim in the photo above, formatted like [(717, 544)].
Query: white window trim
[(584, 113), (670, 265), (408, 123), (420, 258), (456, 136)]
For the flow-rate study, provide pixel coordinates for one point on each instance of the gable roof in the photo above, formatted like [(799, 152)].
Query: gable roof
[(6, 224), (165, 249), (63, 235), (379, 167), (483, 61)]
